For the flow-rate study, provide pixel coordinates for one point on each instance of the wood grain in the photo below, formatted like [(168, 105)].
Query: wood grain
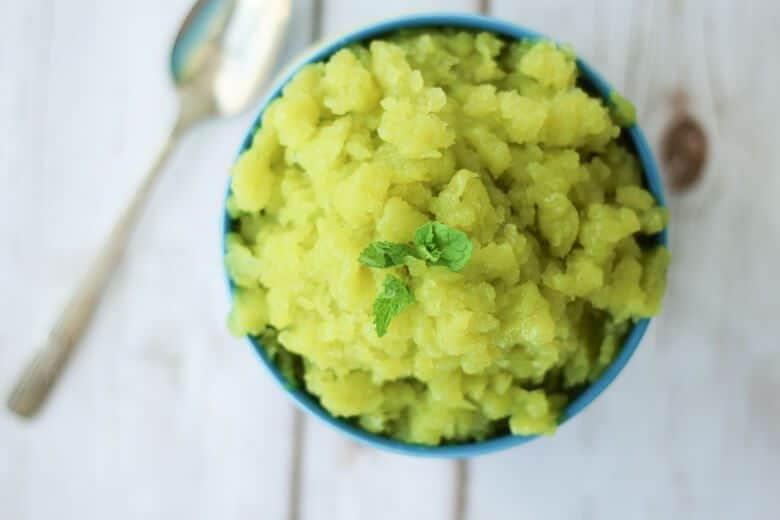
[(162, 414)]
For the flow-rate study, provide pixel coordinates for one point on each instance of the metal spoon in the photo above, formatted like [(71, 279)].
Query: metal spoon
[(219, 61)]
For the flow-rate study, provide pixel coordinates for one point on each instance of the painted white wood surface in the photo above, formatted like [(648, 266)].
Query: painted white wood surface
[(163, 415)]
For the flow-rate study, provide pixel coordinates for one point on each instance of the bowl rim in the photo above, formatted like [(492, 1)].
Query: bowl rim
[(511, 31)]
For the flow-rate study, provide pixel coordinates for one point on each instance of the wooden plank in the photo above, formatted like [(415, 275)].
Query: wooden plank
[(342, 480), (345, 481), (161, 414), (24, 50), (691, 429)]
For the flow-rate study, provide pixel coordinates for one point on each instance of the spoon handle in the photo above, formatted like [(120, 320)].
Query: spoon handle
[(35, 383)]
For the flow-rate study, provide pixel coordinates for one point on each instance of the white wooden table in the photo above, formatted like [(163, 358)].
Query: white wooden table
[(162, 415)]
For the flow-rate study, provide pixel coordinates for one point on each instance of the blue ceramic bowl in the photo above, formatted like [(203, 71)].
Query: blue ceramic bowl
[(510, 31)]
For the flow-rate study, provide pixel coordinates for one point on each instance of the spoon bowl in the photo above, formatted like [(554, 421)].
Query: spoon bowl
[(226, 49)]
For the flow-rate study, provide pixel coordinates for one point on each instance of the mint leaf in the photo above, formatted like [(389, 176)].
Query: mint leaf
[(385, 254), (440, 244), (434, 242), (394, 297)]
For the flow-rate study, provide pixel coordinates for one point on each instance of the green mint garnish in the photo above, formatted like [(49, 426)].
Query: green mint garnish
[(435, 243), (394, 297), (442, 245), (385, 254)]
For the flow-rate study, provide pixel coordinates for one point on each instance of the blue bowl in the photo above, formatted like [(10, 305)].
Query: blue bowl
[(512, 32)]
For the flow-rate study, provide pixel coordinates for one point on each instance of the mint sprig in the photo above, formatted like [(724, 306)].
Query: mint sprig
[(394, 297), (433, 242)]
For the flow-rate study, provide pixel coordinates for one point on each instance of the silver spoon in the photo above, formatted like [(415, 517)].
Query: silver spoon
[(219, 61)]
